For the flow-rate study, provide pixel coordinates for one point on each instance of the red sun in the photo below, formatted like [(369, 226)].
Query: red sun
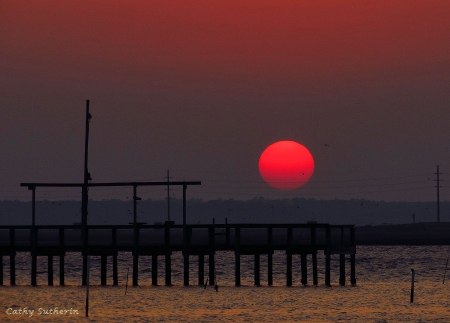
[(286, 165)]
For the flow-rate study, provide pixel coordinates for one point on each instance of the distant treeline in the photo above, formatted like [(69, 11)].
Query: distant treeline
[(256, 210)]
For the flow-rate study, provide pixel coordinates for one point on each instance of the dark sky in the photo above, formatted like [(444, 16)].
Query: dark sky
[(202, 87)]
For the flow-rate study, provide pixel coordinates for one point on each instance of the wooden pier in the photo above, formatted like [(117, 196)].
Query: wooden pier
[(200, 240)]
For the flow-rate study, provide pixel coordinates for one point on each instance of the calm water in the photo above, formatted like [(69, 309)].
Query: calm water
[(381, 295)]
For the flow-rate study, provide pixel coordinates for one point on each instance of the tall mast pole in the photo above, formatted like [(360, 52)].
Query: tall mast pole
[(84, 197), (168, 196)]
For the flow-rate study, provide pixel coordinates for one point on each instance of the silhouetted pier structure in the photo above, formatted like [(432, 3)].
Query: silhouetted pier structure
[(199, 240)]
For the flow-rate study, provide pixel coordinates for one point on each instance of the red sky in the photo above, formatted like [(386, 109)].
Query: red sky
[(202, 87)]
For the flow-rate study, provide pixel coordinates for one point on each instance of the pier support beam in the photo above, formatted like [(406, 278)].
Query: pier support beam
[(201, 269), (257, 270), (342, 269), (304, 269), (186, 268), (84, 275), (269, 269), (135, 268), (1, 270), (50, 270), (61, 270), (352, 269), (12, 269), (314, 263), (33, 268), (328, 257), (103, 270), (115, 273), (154, 270), (212, 278), (288, 269), (237, 269), (168, 268)]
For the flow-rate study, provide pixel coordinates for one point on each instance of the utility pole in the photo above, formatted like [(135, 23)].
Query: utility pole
[(437, 185), (168, 196)]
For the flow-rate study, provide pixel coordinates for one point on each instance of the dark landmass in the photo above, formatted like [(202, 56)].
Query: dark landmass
[(425, 233), (256, 210)]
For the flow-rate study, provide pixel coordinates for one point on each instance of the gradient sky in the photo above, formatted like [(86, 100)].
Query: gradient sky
[(203, 87)]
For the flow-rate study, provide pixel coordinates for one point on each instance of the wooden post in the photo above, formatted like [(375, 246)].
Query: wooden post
[(167, 257), (269, 257), (103, 270), (201, 269), (12, 268), (352, 258), (304, 269), (135, 268), (289, 258), (168, 269), (33, 268), (115, 271), (85, 197), (154, 269), (186, 268), (61, 269), (314, 263), (257, 269), (211, 268), (269, 269), (328, 257), (1, 269), (288, 268), (237, 257), (342, 269), (412, 286), (50, 270), (12, 258), (211, 255)]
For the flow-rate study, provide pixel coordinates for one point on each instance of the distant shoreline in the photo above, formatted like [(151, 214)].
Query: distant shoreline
[(424, 233)]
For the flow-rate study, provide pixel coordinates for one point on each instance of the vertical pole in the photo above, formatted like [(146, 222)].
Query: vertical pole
[(342, 269), (115, 271), (33, 238), (288, 268), (328, 257), (12, 268), (412, 286), (201, 269), (186, 268), (289, 258), (352, 258), (314, 255), (211, 268), (50, 270), (269, 269), (135, 268), (168, 269), (184, 203), (33, 268), (135, 239), (437, 185), (1, 270), (167, 256), (154, 269), (237, 257), (84, 197), (314, 263), (103, 264), (168, 196), (257, 269), (61, 269), (87, 286), (304, 269), (269, 257)]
